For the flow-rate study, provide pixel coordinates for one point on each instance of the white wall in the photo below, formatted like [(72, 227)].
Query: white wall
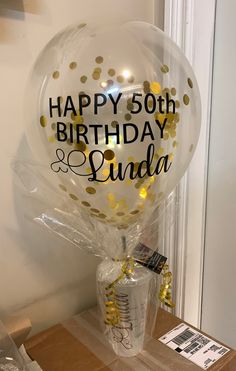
[(219, 294), (40, 274)]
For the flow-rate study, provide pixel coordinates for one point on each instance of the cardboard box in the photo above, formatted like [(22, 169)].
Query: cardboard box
[(18, 328), (79, 345)]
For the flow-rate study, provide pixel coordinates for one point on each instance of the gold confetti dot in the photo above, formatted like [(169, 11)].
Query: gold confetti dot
[(186, 99), (91, 190), (160, 151), (130, 79), (146, 90), (53, 126), (73, 197), (176, 117), (96, 211), (111, 72), (128, 182), (81, 146), (97, 70), (130, 106), (105, 172), (96, 76), (146, 87), (131, 159), (83, 79), (114, 123), (99, 59), (173, 91), (81, 129), (172, 133), (85, 203), (109, 155), (190, 83), (128, 117), (150, 104), (63, 188), (134, 212), (120, 79), (155, 87), (177, 104), (174, 144), (166, 136), (191, 148), (68, 141), (111, 197), (56, 74), (170, 117), (164, 68), (73, 65), (161, 117), (77, 118), (120, 213), (51, 139), (43, 121), (165, 92), (143, 193)]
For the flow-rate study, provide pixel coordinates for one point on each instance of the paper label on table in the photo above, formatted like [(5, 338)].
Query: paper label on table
[(194, 346)]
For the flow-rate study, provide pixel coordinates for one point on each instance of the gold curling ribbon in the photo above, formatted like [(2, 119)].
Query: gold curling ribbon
[(112, 316), (165, 294)]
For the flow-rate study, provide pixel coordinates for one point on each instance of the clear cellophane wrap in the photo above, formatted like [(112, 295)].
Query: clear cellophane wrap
[(128, 293)]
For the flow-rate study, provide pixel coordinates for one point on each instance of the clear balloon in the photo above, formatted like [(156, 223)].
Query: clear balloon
[(114, 113)]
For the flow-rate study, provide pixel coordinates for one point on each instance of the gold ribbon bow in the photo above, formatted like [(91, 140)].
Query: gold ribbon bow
[(165, 294)]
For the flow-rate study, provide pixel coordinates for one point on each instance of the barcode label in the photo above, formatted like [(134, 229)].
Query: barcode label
[(186, 335), (193, 345)]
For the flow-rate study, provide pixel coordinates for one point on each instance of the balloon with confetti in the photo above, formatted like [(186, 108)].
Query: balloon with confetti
[(114, 113)]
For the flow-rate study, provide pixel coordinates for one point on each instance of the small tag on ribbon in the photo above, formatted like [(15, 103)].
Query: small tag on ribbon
[(148, 258)]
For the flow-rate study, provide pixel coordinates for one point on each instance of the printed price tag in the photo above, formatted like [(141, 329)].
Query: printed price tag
[(149, 258), (193, 345)]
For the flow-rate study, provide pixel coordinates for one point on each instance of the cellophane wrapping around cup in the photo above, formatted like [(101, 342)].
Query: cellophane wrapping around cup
[(127, 291), (127, 296)]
